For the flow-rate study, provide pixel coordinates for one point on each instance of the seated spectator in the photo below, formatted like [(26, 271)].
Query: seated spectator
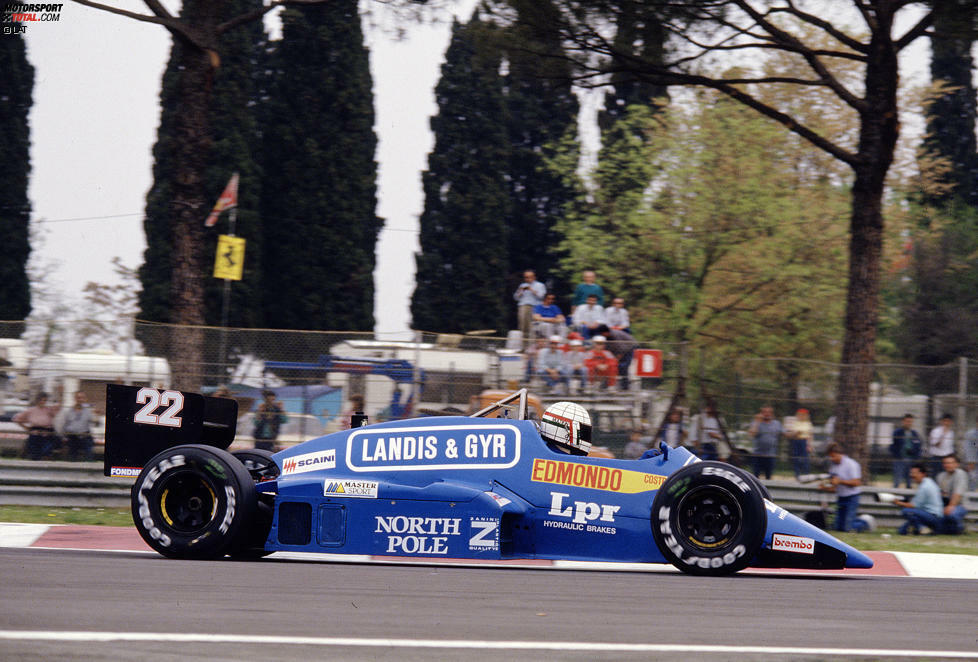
[(953, 482), (575, 359), (532, 352), (547, 318), (552, 365), (602, 366), (588, 317), (616, 316), (926, 508), (635, 447)]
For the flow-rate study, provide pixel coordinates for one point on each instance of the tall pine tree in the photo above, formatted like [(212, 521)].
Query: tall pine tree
[(16, 87), (319, 190), (464, 225), (234, 140)]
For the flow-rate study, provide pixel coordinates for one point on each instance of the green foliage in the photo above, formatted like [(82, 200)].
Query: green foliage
[(16, 88), (700, 220), (319, 183), (464, 230)]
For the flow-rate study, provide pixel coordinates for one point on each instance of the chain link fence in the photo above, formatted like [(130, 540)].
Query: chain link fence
[(318, 376)]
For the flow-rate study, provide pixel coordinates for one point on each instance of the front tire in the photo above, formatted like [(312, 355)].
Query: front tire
[(709, 519), (193, 501)]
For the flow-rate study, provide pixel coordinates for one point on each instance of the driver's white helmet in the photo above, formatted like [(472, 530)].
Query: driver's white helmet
[(567, 424)]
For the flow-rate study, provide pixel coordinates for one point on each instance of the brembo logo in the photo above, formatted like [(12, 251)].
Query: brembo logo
[(298, 464), (785, 543)]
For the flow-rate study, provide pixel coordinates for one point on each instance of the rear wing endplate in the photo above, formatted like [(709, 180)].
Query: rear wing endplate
[(142, 421)]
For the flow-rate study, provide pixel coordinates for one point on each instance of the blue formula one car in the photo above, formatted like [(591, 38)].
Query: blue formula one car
[(493, 485)]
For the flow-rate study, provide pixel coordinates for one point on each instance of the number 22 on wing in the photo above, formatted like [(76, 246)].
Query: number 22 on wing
[(151, 399)]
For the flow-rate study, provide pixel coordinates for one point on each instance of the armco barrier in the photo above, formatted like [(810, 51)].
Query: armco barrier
[(76, 484), (61, 484)]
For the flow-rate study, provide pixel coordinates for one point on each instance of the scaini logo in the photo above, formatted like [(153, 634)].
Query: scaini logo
[(298, 464)]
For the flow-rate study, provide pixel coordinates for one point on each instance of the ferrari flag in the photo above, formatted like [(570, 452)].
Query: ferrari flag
[(228, 199)]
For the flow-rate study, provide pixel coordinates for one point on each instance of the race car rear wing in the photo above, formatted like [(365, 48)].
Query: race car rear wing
[(141, 421)]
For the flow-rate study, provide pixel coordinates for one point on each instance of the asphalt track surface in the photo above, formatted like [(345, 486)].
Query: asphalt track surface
[(71, 604)]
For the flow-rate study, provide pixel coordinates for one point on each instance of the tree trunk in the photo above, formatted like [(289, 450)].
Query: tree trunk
[(877, 139), (189, 205)]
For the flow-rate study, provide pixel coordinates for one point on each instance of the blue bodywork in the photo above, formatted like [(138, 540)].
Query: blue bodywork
[(487, 488)]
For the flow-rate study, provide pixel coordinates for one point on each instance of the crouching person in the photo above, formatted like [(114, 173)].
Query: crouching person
[(926, 508)]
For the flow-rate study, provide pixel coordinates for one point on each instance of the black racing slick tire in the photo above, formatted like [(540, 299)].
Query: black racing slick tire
[(250, 543), (193, 502), (709, 518)]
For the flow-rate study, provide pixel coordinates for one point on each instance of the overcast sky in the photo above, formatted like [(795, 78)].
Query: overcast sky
[(94, 121)]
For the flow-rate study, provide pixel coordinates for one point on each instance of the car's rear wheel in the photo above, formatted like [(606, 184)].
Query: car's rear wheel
[(193, 501), (709, 519), (250, 543)]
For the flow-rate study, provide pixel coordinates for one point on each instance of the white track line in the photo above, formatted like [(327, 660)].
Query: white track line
[(454, 644)]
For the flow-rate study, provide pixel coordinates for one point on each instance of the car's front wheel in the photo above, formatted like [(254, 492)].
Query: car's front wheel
[(709, 519)]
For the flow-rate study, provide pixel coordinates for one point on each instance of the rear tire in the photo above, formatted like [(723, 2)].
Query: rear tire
[(193, 501), (709, 518)]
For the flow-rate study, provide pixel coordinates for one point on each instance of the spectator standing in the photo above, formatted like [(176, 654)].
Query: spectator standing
[(766, 432), (268, 420), (941, 442), (905, 448), (846, 478), (953, 482), (602, 366), (588, 317), (588, 288), (38, 420), (926, 507), (800, 435), (623, 346), (527, 295), (552, 365), (616, 316), (971, 456), (358, 405), (75, 424), (671, 433), (706, 433), (548, 320)]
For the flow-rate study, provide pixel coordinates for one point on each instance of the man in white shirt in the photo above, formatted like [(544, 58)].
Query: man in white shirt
[(616, 316), (589, 317), (527, 295), (847, 476), (941, 442)]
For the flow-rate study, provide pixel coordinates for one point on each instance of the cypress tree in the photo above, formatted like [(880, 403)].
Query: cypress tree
[(951, 117), (233, 131), (16, 88), (639, 32), (464, 225), (541, 112), (319, 191)]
